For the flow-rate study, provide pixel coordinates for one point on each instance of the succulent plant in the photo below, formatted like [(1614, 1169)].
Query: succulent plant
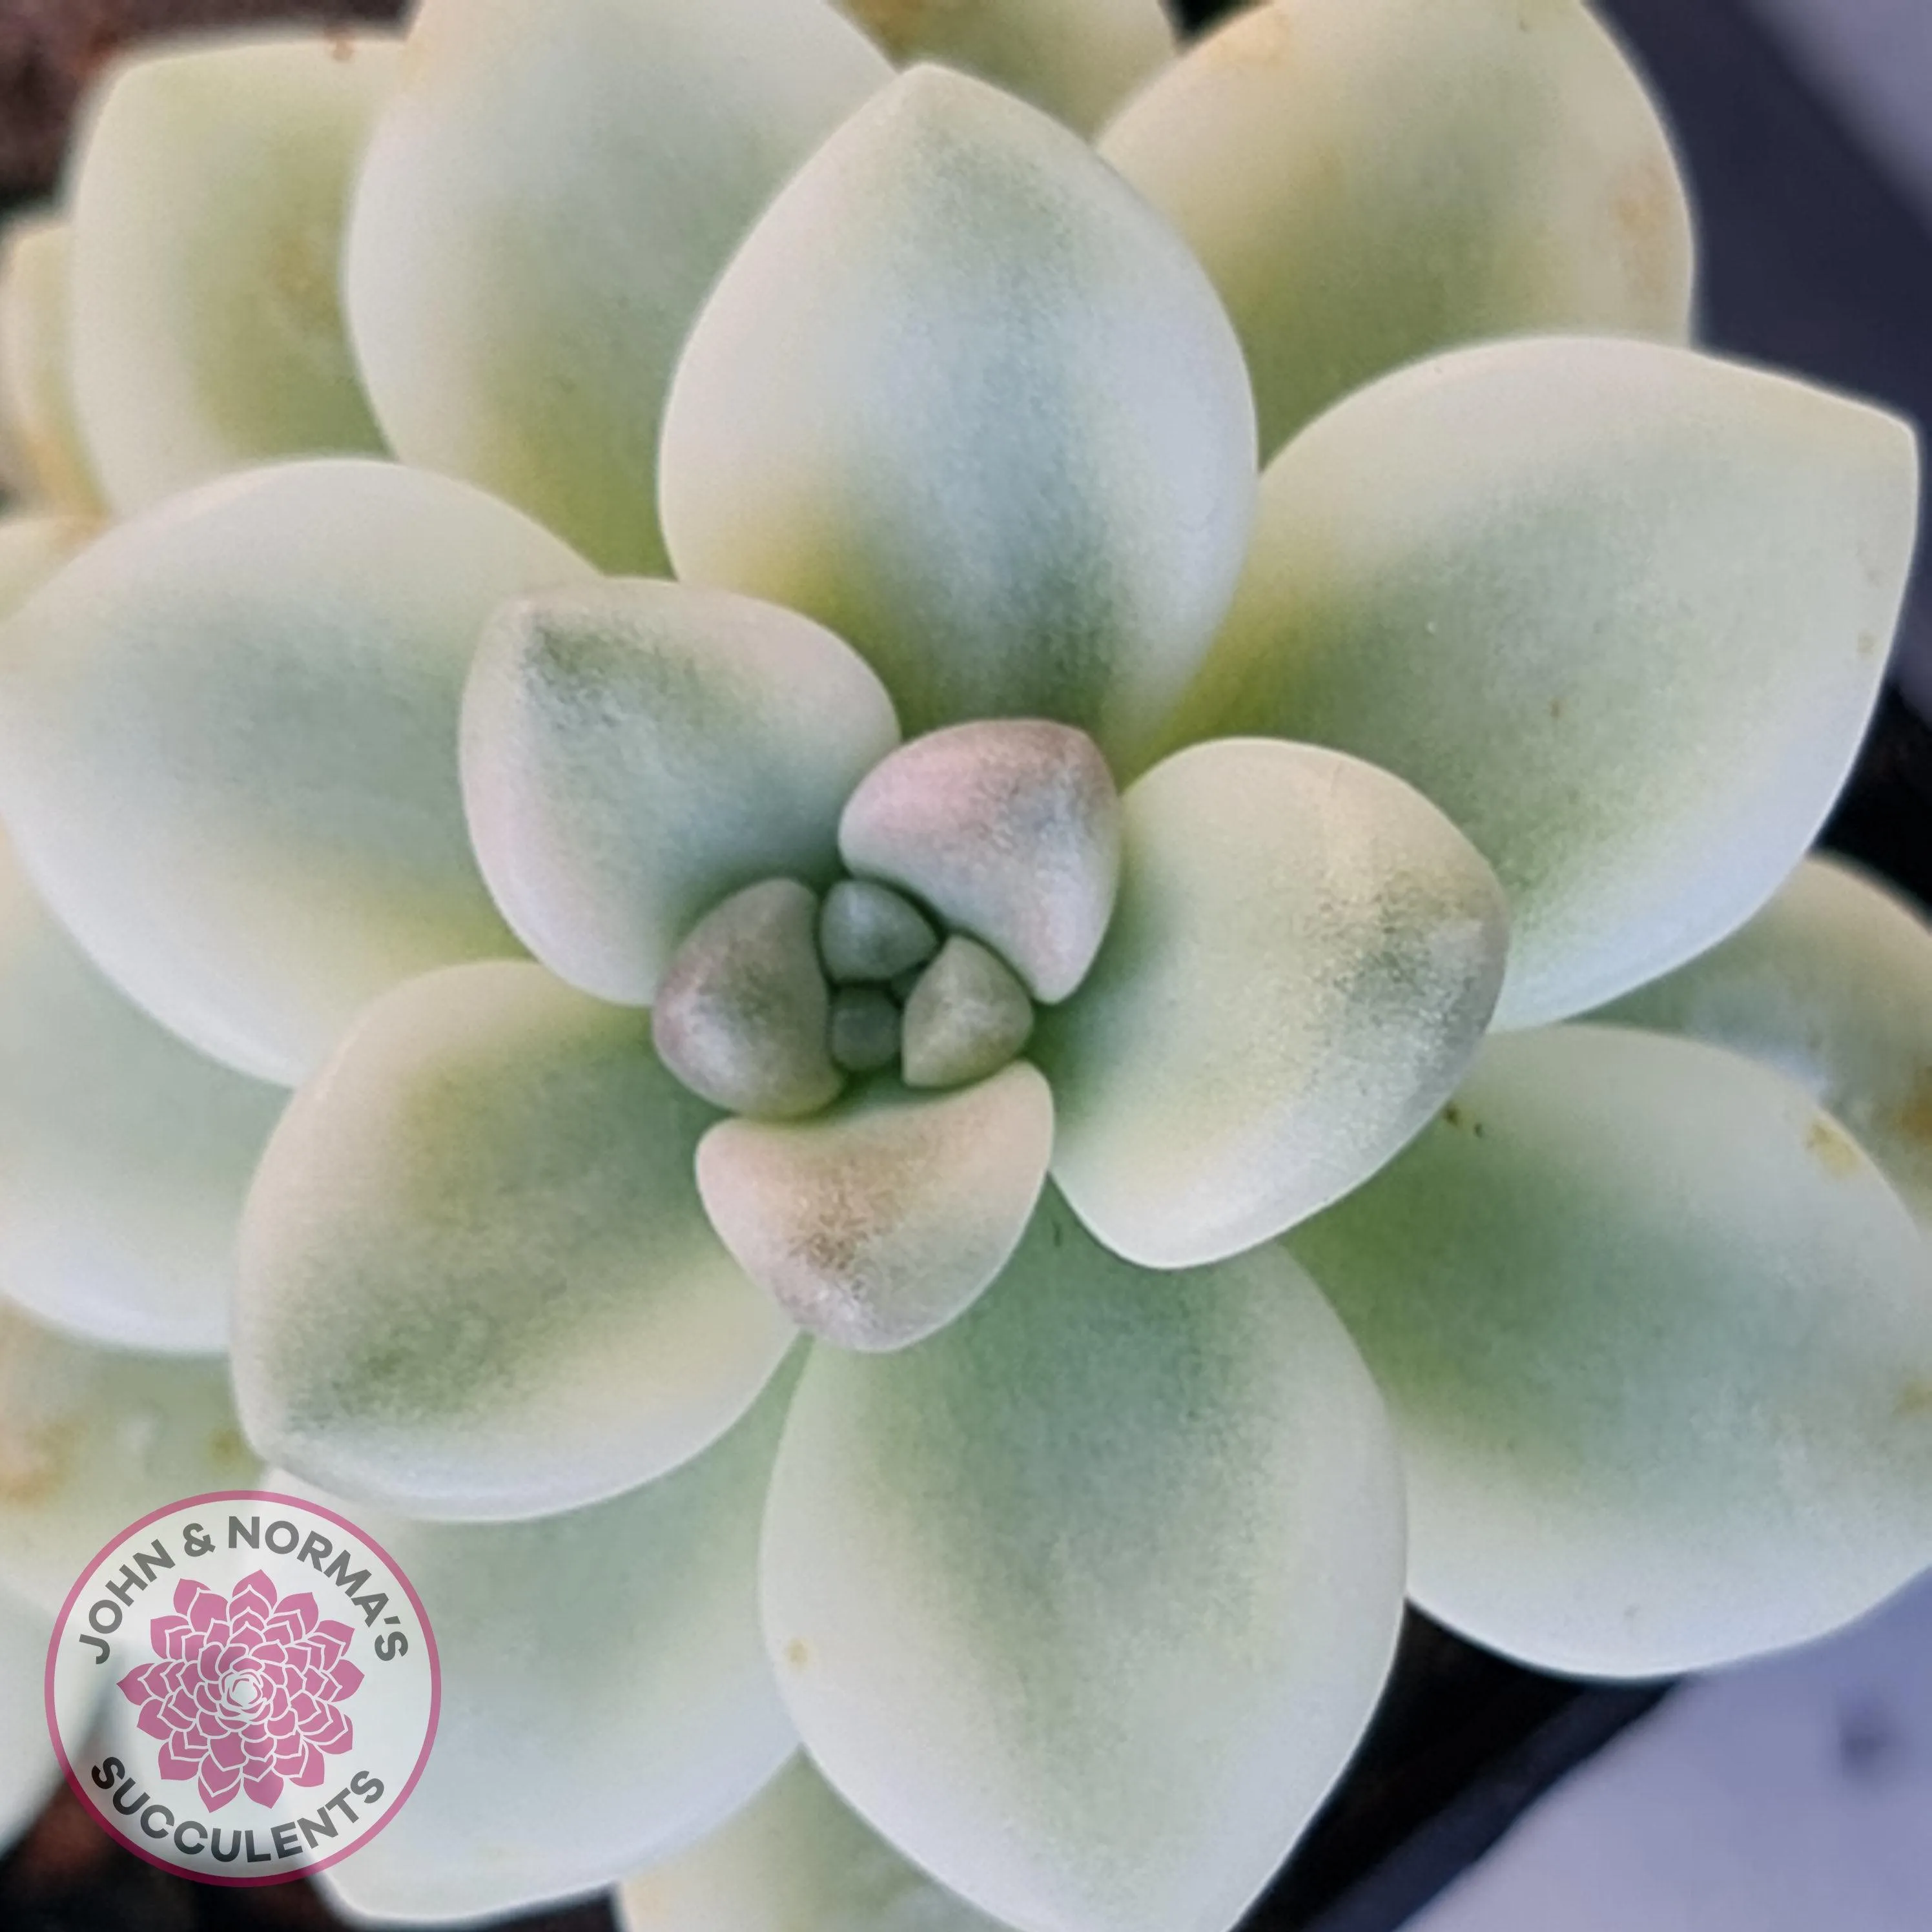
[(1027, 838)]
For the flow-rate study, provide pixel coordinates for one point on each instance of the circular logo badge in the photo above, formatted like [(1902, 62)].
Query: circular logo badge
[(243, 1688)]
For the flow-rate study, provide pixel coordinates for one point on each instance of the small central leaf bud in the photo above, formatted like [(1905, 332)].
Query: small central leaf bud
[(743, 1014), (968, 1017), (868, 935), (865, 1029)]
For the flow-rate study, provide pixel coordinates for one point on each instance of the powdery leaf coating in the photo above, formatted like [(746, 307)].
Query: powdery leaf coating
[(963, 398), (1370, 181), (92, 1439), (211, 187), (634, 752), (1832, 985), (796, 1859), (38, 427), (477, 1282), (867, 933), (743, 1017), (541, 214), (606, 1698), (1010, 829), (1621, 609), (1305, 958), (1076, 58), (1084, 1602), (228, 746), (125, 1155), (877, 1225), (967, 1017), (1658, 1340)]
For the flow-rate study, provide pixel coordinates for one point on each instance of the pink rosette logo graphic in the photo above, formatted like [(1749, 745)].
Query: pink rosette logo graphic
[(248, 1691)]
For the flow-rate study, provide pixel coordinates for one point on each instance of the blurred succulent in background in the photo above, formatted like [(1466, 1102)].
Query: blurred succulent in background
[(1023, 834)]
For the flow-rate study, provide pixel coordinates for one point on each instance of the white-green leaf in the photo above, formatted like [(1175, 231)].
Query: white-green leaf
[(1304, 960), (1831, 984), (963, 398), (1084, 1602), (876, 1225), (542, 214), (1370, 181), (1621, 610), (635, 752), (211, 190), (1076, 58), (37, 407), (606, 1699), (125, 1155), (1658, 1340), (228, 746), (796, 1859), (91, 1439), (476, 1280), (32, 548)]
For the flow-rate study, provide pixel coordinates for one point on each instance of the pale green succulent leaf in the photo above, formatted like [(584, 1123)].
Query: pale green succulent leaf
[(210, 190), (606, 1698), (876, 1225), (1305, 957), (1076, 58), (1657, 1337), (1830, 984), (1621, 609), (964, 398), (796, 1859), (541, 214), (477, 1282), (33, 546), (47, 462), (92, 1439), (228, 746), (124, 1154), (634, 752), (1369, 181), (1084, 1603)]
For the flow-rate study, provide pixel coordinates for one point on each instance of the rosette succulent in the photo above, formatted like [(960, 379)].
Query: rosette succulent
[(1024, 818)]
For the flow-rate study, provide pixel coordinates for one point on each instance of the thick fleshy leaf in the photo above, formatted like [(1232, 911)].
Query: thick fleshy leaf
[(876, 1225), (228, 746), (1084, 1602), (91, 1440), (1621, 610), (210, 193), (32, 548), (1304, 959), (1076, 58), (1658, 1340), (476, 1280), (796, 1859), (1831, 984), (966, 1017), (125, 1155), (744, 1016), (1010, 829), (606, 1699), (634, 752), (963, 398), (1370, 181), (542, 214), (37, 407)]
